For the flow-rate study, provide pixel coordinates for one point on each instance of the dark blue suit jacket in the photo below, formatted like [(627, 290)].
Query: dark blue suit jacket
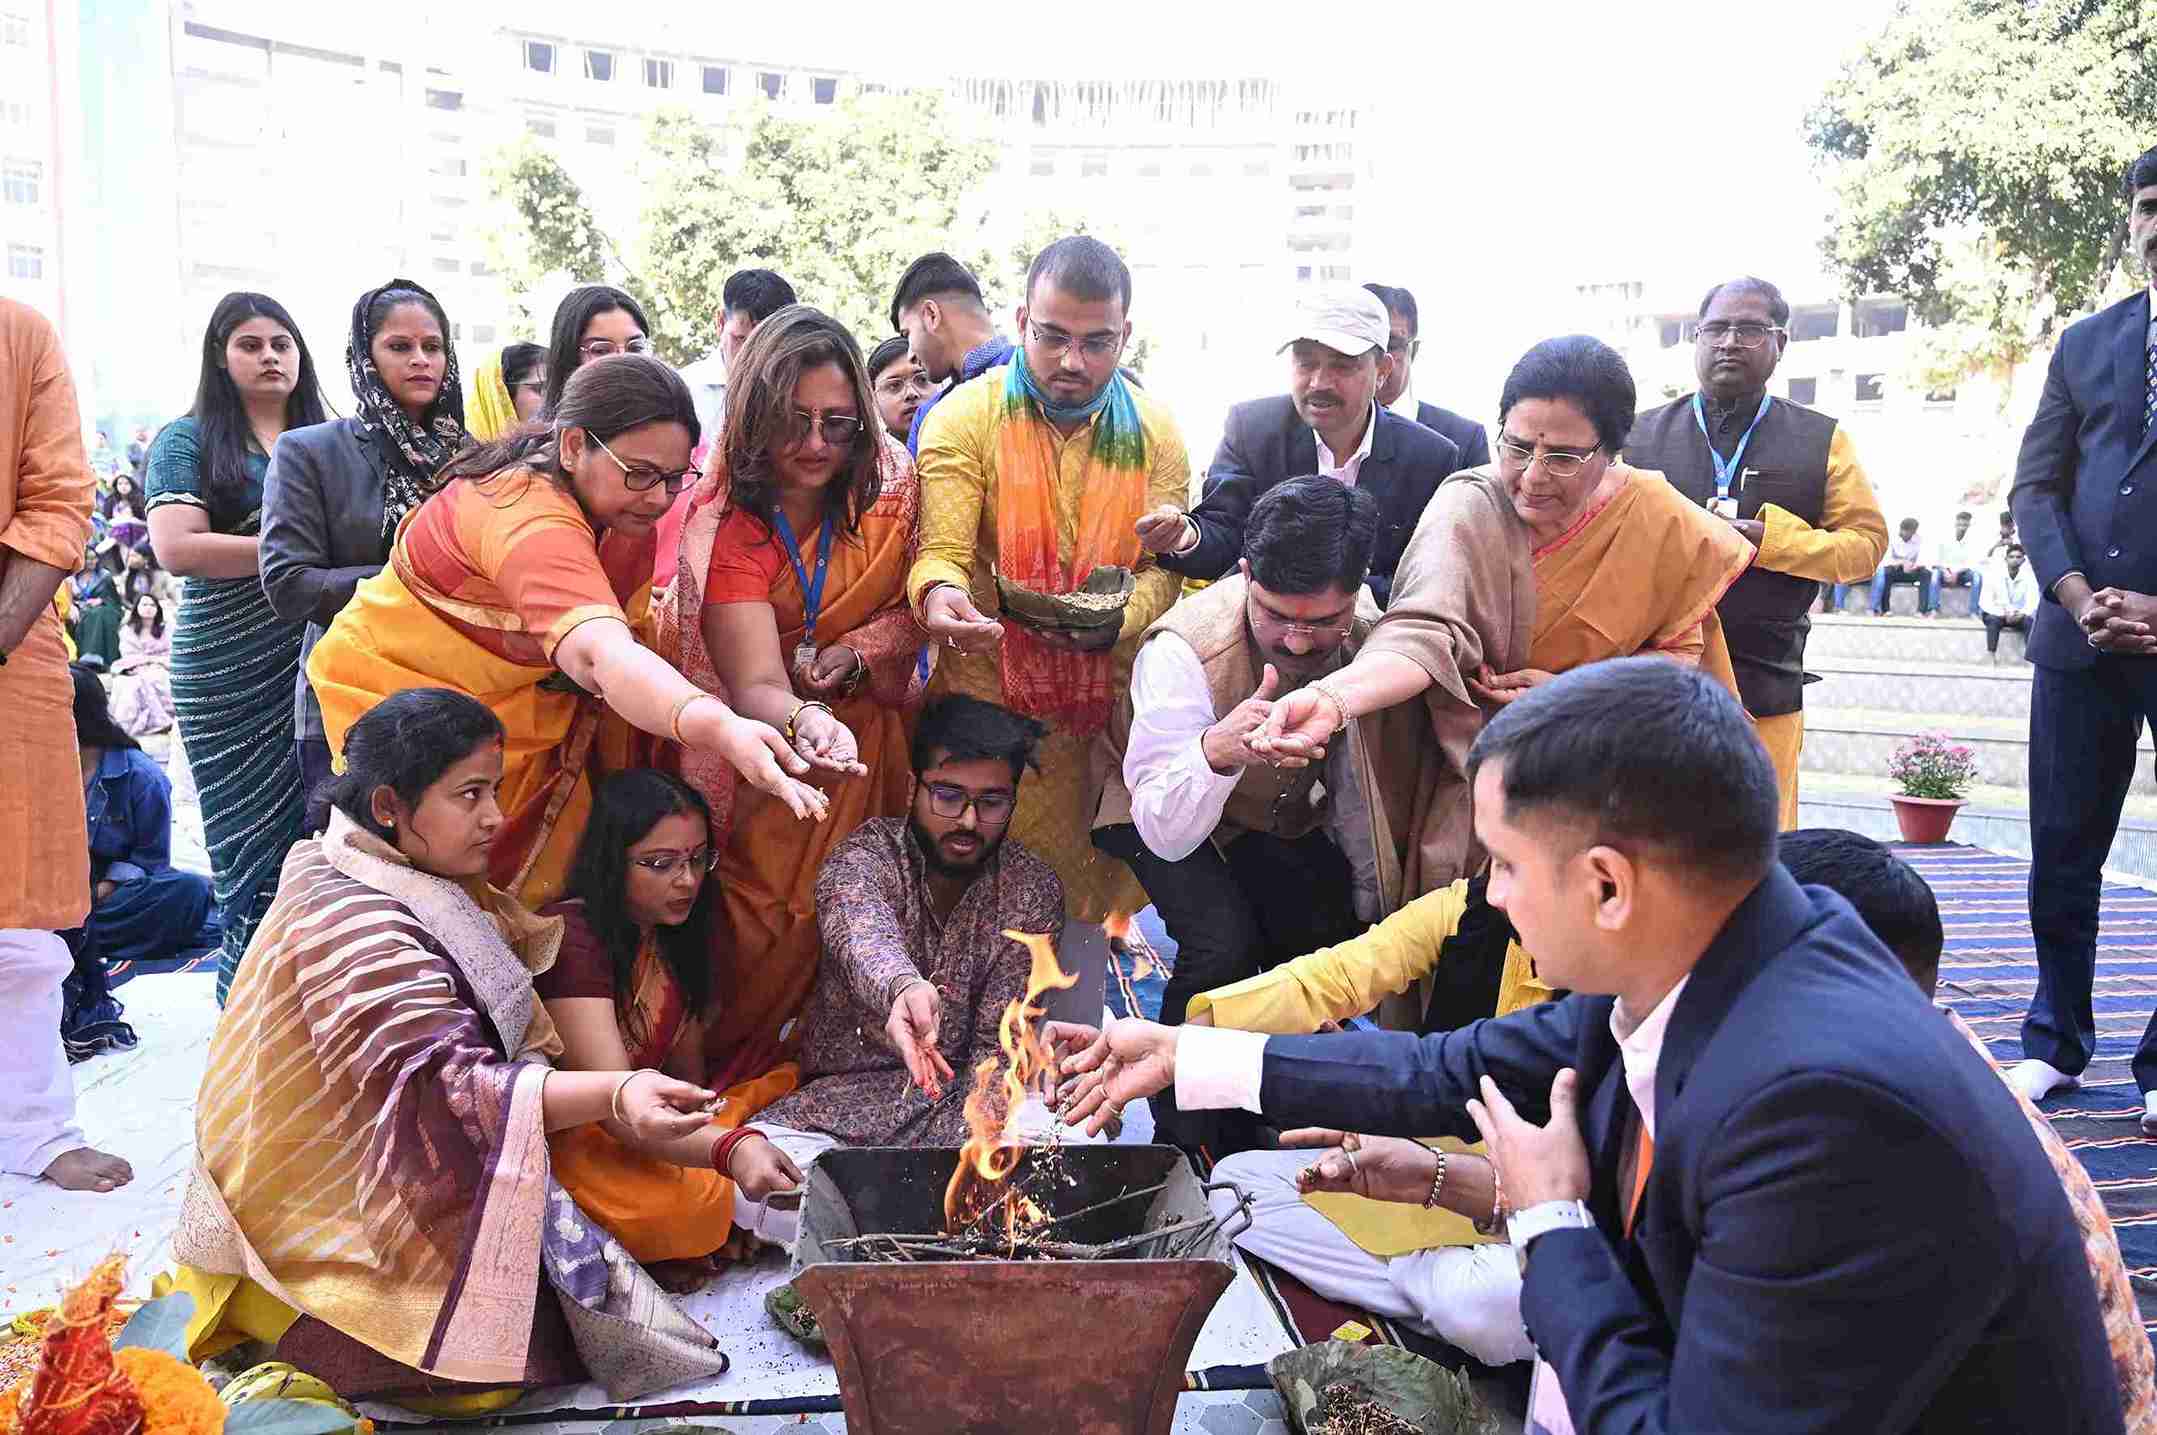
[(2085, 494), (1849, 1225), (1266, 442), (1466, 433)]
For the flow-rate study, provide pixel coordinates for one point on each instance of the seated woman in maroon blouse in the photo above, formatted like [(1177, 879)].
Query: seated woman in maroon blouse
[(632, 988)]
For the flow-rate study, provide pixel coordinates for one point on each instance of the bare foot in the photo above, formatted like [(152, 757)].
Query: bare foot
[(681, 1277), (84, 1169)]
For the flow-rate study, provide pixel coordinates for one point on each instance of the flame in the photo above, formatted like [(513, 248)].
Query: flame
[(991, 1153), (1119, 928)]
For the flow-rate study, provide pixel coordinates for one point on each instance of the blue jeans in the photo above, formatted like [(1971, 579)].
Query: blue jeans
[(2083, 724), (1891, 575), (1971, 578)]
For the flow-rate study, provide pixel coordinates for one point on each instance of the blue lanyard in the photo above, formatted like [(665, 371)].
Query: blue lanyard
[(1723, 468), (812, 590)]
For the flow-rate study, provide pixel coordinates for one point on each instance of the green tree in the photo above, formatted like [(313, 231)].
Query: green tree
[(1002, 270), (839, 203), (1975, 149), (551, 230)]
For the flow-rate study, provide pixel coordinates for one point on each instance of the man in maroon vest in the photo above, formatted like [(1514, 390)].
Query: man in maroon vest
[(1250, 864), (1788, 479)]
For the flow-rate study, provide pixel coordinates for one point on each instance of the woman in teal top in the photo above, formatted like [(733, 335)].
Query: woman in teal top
[(234, 661)]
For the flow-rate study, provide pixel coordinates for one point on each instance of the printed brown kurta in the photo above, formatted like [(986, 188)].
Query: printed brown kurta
[(880, 934), (45, 491)]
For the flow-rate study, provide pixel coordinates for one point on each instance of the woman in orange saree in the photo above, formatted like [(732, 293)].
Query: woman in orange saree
[(790, 602), (519, 582)]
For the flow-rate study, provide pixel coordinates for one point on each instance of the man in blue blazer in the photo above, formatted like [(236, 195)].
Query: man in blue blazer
[(2085, 498), (1755, 1184), (1329, 423)]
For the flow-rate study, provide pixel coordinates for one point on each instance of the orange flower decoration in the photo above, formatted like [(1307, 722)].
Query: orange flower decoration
[(83, 1387)]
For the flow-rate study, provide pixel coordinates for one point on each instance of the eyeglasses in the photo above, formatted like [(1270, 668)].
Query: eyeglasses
[(1399, 347), (839, 430), (600, 348), (1746, 336), (992, 808), (899, 384), (1055, 343), (666, 864), (1557, 463), (529, 386), (1329, 633), (642, 477)]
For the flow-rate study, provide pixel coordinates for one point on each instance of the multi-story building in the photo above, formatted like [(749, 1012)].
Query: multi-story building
[(35, 100)]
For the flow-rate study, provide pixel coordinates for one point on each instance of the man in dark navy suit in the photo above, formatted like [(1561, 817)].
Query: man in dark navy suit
[(1406, 341), (2085, 498), (1329, 423), (1754, 1183)]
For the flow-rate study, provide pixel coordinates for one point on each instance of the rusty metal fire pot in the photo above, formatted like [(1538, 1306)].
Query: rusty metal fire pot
[(988, 1347)]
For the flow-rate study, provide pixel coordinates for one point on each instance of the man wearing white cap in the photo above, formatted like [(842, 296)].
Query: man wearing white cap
[(1329, 424)]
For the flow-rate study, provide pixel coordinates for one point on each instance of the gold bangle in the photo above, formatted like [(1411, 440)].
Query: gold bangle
[(674, 720), (614, 1102), (802, 707), (1340, 704)]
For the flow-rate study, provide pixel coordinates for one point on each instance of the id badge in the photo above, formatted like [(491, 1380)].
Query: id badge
[(1724, 507), (805, 657)]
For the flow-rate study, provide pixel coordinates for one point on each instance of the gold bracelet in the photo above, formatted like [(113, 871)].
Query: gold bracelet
[(614, 1102), (1340, 705), (674, 721), (802, 707)]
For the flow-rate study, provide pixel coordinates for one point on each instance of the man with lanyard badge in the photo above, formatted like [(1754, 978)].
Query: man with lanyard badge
[(1784, 476)]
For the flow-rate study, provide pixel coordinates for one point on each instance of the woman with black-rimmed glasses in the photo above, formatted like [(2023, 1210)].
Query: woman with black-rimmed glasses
[(790, 599), (520, 581)]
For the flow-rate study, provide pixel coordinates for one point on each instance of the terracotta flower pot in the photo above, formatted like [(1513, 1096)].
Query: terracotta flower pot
[(1925, 819)]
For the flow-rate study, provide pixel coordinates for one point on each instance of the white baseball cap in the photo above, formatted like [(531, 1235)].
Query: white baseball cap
[(1343, 317)]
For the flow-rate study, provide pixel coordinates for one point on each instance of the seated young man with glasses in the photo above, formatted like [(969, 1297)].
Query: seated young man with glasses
[(916, 968), (1250, 861), (1782, 475)]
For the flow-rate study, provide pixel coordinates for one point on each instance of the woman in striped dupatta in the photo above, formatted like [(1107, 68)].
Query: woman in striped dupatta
[(372, 1192)]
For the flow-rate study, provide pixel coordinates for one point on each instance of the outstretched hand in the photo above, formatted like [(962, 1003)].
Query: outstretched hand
[(1128, 1060), (1297, 730), (1164, 530), (912, 1031), (948, 613), (1384, 1168)]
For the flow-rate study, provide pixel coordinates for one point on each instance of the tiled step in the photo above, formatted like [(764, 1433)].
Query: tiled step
[(1861, 742), (1905, 640), (1912, 687), (1902, 598), (1997, 817)]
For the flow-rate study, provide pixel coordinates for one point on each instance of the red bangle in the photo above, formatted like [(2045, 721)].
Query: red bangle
[(723, 1147)]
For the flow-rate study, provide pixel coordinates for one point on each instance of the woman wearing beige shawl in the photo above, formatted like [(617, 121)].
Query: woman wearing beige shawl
[(1554, 557), (372, 1192)]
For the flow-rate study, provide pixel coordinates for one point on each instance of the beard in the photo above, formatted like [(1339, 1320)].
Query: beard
[(932, 852)]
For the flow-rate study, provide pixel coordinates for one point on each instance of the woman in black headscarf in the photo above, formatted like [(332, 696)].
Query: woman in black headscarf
[(337, 491)]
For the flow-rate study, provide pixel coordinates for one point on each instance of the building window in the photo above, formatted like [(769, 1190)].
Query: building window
[(1149, 169), (445, 99), (543, 128), (453, 165), (442, 236), (1334, 272), (1820, 321), (445, 265), (1042, 166), (772, 83), (25, 261), (1874, 319), (1804, 391), (479, 267), (1940, 396), (14, 30), (599, 134), (21, 181), (1093, 164), (825, 91), (599, 65), (1201, 169), (1257, 168), (539, 57), (483, 333), (715, 79), (14, 114), (1303, 273), (659, 74), (1870, 388)]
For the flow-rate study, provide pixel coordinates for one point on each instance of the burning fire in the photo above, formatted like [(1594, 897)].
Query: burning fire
[(991, 1153), (1118, 928)]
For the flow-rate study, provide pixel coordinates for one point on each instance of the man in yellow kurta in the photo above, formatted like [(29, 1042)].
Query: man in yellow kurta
[(45, 491), (1782, 475), (1036, 472)]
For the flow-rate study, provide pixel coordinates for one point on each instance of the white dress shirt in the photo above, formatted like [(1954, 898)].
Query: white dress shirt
[(1346, 471), (2004, 595), (1956, 555), (1219, 1069)]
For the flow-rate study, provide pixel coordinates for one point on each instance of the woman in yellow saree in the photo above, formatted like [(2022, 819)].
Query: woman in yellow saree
[(1555, 556), (520, 582), (790, 602)]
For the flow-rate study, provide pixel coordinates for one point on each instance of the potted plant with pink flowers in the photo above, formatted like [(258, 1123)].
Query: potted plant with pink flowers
[(1934, 771)]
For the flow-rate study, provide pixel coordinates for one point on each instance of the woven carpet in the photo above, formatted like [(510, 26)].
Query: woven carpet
[(1987, 973)]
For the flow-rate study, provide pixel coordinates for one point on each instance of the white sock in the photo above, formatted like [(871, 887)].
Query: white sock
[(2037, 1080), (2149, 1113)]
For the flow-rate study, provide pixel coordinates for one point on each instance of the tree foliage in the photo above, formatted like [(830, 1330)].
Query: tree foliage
[(553, 231), (838, 203), (1975, 148)]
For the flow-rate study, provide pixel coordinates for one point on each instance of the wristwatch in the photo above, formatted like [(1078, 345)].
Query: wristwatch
[(1522, 1227)]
